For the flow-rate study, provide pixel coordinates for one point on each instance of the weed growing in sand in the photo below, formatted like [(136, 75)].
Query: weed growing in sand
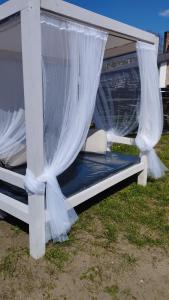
[(92, 274), (112, 291), (57, 256), (8, 263)]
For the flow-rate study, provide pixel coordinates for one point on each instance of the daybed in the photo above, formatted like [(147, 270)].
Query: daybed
[(51, 55)]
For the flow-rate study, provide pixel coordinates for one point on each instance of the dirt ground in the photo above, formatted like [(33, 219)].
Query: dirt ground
[(122, 271)]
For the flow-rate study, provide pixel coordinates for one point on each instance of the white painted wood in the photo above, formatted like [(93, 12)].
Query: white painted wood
[(32, 75), (117, 51), (116, 41), (163, 74), (142, 178), (82, 15), (157, 40), (123, 140), (11, 7), (12, 177), (105, 184), (14, 208)]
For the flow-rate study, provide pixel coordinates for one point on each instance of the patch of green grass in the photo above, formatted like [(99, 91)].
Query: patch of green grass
[(8, 263), (127, 293), (111, 232), (125, 149), (129, 259), (112, 291), (134, 236), (57, 256), (16, 229), (93, 274)]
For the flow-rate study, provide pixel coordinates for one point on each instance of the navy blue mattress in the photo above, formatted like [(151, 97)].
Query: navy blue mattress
[(87, 170)]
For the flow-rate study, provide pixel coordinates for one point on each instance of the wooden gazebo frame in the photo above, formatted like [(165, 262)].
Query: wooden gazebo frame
[(34, 213)]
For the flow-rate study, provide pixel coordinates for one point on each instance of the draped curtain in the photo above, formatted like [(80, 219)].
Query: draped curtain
[(12, 133), (72, 61), (12, 115), (151, 109), (147, 111), (117, 102)]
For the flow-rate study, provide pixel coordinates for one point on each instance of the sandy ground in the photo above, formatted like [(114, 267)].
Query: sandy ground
[(122, 271)]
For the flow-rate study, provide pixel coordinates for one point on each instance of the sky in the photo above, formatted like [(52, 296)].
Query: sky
[(150, 15)]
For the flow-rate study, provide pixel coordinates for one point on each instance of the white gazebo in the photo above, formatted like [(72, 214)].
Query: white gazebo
[(51, 54)]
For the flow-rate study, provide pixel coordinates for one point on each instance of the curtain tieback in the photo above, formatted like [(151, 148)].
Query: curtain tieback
[(144, 145), (33, 184)]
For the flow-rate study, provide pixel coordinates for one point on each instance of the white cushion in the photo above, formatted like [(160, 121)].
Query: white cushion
[(96, 142), (17, 159)]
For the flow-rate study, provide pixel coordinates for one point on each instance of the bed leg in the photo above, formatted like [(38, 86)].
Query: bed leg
[(37, 225), (142, 177)]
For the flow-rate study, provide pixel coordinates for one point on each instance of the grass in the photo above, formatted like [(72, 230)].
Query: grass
[(93, 274), (8, 264), (57, 256), (129, 259), (112, 291)]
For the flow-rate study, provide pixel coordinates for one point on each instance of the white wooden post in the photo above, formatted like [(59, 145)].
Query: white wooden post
[(163, 74), (142, 177), (32, 76)]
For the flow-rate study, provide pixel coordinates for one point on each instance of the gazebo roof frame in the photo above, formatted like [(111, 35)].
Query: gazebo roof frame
[(74, 12)]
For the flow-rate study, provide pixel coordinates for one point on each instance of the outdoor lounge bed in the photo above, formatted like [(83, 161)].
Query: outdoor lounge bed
[(51, 54), (89, 169)]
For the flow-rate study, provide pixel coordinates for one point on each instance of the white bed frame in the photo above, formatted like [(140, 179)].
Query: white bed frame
[(34, 213)]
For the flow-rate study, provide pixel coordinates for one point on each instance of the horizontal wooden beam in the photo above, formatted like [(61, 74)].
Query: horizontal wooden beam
[(12, 7), (123, 140), (82, 15), (10, 55), (12, 177), (14, 207), (21, 210), (121, 50)]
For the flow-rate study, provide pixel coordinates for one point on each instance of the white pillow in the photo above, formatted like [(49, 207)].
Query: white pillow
[(17, 159), (96, 142)]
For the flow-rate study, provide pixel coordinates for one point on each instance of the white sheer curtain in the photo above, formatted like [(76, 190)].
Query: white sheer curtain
[(72, 61), (12, 133), (120, 118), (12, 116), (151, 109), (12, 120), (117, 103)]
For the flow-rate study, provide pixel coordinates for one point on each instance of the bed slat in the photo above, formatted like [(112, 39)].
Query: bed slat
[(12, 177), (14, 208)]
